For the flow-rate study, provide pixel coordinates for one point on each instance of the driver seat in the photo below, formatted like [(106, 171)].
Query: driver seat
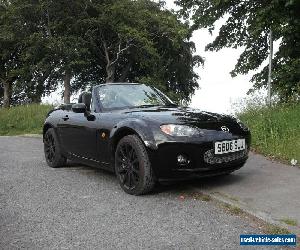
[(85, 98)]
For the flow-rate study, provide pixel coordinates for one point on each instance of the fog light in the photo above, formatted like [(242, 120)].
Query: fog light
[(182, 160)]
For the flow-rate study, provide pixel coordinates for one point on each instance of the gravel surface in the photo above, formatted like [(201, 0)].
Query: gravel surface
[(78, 207)]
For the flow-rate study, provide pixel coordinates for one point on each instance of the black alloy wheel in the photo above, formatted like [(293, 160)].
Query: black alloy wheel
[(128, 166), (53, 155), (49, 147), (133, 167)]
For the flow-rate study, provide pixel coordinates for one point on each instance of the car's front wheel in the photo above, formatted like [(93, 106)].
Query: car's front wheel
[(133, 167), (53, 155)]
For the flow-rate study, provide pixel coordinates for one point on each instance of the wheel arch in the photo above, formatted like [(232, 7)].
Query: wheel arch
[(132, 127), (46, 127), (119, 134)]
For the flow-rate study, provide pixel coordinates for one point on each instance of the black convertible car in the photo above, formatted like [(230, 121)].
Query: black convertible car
[(140, 134)]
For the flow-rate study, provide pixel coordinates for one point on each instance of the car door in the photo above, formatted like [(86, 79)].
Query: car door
[(79, 135)]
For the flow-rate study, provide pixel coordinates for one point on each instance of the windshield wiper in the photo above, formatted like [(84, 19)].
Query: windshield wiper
[(155, 105), (171, 105), (146, 106)]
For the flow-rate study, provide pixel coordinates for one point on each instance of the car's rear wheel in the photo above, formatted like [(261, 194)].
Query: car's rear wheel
[(52, 150), (133, 167)]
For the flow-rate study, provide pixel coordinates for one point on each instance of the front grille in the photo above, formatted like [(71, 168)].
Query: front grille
[(211, 158)]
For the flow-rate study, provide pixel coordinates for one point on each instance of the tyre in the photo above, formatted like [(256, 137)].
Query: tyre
[(133, 167), (52, 150)]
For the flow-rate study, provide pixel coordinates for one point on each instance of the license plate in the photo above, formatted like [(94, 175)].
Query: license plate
[(224, 147)]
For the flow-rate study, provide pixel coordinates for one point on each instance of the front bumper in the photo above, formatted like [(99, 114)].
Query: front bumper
[(202, 161)]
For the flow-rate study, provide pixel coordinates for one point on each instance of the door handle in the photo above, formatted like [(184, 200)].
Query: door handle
[(66, 118)]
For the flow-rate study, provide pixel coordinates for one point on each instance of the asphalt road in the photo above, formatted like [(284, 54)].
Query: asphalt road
[(80, 207)]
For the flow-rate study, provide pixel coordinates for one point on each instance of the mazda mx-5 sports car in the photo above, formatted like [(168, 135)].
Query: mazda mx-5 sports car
[(137, 132)]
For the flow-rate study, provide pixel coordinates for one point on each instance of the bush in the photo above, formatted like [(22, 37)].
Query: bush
[(275, 130), (27, 119)]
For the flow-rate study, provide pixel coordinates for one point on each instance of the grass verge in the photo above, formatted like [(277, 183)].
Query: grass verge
[(274, 229), (26, 119), (275, 130), (290, 222)]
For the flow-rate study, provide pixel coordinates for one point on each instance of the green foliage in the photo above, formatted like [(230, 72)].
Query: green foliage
[(289, 221), (138, 41), (247, 25), (26, 58), (11, 45), (274, 229), (27, 119), (275, 131), (42, 42)]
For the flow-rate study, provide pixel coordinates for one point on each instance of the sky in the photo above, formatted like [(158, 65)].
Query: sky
[(218, 91)]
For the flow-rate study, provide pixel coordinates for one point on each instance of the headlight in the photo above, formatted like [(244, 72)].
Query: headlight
[(180, 130)]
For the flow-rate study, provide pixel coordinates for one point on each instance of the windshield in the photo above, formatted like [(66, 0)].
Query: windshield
[(118, 96)]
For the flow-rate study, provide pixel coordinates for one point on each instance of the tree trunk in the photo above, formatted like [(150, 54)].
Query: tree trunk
[(67, 86), (1, 92), (7, 94), (36, 99), (124, 72), (110, 70)]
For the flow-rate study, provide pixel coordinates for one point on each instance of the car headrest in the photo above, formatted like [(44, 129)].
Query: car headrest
[(85, 98)]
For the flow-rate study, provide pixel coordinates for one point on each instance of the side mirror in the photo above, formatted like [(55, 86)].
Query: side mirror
[(79, 108)]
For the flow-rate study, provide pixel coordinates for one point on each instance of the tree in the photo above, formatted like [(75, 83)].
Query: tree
[(247, 25), (67, 48), (82, 43), (23, 53), (140, 41), (11, 48)]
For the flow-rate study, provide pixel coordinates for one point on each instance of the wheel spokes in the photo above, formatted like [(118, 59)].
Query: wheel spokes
[(135, 178), (122, 152), (129, 179), (128, 166), (124, 179), (131, 154), (122, 171), (49, 147)]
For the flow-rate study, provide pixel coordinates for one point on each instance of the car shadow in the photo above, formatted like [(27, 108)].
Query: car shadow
[(200, 183), (171, 187), (219, 181), (71, 165)]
